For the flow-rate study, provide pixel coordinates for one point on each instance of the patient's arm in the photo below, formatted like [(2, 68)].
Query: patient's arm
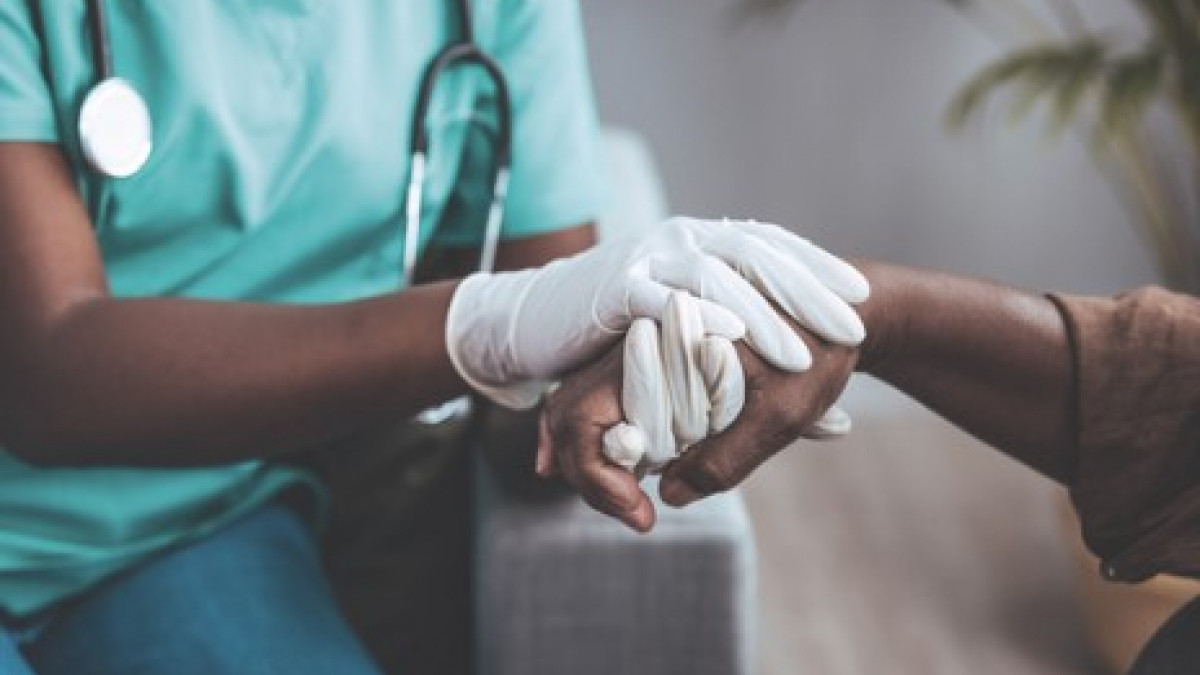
[(994, 360)]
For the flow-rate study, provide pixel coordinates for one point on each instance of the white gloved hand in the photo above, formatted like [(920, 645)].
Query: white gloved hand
[(510, 333), (679, 387)]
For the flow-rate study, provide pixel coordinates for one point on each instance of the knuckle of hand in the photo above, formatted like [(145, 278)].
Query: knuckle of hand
[(608, 502), (562, 426), (711, 477), (785, 422)]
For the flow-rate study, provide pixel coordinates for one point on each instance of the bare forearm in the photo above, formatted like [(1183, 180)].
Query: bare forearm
[(993, 360), (90, 379), (173, 382)]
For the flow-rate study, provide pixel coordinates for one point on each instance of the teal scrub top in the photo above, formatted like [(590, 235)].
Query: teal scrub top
[(281, 133)]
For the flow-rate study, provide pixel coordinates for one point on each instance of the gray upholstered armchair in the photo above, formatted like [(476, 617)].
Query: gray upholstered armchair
[(562, 589)]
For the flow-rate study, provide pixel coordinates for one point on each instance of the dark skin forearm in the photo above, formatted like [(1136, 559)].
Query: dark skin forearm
[(175, 382), (993, 360), (90, 379)]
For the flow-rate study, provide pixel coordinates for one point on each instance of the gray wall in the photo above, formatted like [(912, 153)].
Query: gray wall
[(831, 122)]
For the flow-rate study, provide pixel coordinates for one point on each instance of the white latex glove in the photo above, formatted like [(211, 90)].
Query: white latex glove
[(681, 385), (510, 333)]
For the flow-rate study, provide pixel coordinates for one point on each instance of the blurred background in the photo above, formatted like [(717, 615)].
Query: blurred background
[(911, 548)]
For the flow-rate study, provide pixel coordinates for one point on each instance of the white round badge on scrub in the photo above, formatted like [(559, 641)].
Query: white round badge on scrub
[(114, 129)]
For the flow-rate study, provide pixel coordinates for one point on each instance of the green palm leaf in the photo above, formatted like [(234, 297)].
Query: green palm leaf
[(1083, 73), (1132, 83), (1175, 25), (1061, 74)]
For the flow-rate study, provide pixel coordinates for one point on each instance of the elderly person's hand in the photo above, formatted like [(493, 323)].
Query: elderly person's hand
[(779, 408), (681, 385)]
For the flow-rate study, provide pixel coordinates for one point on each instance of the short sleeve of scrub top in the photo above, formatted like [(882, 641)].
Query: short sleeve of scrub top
[(281, 134), (26, 111)]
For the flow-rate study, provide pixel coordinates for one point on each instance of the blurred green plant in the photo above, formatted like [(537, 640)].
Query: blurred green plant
[(1083, 79)]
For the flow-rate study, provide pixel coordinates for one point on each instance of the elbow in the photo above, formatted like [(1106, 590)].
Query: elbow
[(43, 420), (28, 440), (19, 435), (33, 452), (35, 428), (49, 425), (44, 448)]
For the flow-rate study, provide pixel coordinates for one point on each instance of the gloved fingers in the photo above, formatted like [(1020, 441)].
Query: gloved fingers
[(682, 331), (766, 332), (645, 400), (716, 398), (625, 445), (725, 381), (790, 283), (647, 298), (605, 486), (836, 274), (835, 423)]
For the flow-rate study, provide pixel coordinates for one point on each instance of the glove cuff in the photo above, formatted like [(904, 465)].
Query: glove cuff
[(478, 336)]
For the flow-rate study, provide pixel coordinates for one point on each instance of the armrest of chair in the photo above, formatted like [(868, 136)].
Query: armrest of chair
[(563, 589)]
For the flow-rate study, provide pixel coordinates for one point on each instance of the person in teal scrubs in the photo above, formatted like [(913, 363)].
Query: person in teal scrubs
[(236, 301)]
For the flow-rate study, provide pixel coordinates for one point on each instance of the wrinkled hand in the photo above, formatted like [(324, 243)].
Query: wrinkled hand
[(779, 407)]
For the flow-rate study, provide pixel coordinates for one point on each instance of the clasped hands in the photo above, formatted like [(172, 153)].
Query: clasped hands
[(738, 337)]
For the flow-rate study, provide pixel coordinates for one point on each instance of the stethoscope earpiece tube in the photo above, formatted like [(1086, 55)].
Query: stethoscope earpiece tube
[(101, 49), (495, 220), (462, 53), (412, 207)]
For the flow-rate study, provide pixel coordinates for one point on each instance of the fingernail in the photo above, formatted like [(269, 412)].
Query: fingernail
[(722, 322), (857, 289), (678, 493), (846, 326), (795, 356), (782, 348), (860, 293), (639, 519)]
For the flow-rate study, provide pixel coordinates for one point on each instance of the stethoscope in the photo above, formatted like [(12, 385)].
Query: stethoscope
[(116, 139), (116, 131)]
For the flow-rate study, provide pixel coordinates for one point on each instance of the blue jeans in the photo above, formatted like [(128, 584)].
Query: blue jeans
[(251, 600)]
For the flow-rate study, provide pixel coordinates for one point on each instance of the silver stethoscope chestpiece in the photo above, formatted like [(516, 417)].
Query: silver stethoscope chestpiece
[(115, 132)]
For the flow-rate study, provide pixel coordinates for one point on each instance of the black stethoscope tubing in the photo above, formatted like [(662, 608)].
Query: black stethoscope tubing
[(97, 18), (463, 52)]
